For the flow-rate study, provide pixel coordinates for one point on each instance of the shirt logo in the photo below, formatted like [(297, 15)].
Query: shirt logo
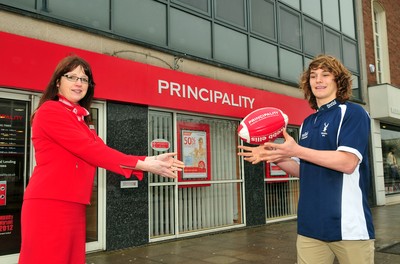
[(304, 135), (324, 132), (331, 104)]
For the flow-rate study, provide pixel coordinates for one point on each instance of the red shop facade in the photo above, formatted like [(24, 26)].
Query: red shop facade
[(125, 93)]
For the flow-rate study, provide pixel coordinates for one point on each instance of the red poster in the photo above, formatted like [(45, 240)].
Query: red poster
[(194, 146), (272, 171)]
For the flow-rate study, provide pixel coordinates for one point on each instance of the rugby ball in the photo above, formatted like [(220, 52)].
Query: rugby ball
[(262, 125)]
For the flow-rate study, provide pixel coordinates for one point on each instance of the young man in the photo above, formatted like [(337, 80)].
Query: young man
[(331, 159)]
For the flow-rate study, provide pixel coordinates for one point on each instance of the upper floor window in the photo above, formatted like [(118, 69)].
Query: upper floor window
[(380, 44)]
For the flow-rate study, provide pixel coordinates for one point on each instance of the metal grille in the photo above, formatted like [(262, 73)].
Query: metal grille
[(178, 208), (282, 196)]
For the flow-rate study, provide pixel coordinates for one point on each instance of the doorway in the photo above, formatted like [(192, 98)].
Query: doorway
[(16, 164)]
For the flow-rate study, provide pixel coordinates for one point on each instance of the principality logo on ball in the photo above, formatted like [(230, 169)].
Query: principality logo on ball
[(262, 125)]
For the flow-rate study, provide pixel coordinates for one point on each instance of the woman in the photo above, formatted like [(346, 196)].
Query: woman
[(67, 152)]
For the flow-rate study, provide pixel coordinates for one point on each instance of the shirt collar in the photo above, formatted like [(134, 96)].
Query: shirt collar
[(78, 110), (329, 105)]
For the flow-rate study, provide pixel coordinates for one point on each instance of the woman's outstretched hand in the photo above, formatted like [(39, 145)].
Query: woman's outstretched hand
[(165, 165)]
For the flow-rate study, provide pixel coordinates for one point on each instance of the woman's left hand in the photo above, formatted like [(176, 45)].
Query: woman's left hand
[(165, 165)]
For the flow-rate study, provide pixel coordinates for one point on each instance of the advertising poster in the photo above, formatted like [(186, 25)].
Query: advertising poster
[(194, 154), (273, 171), (194, 143)]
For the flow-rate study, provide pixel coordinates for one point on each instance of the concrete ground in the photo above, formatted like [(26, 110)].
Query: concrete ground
[(271, 243)]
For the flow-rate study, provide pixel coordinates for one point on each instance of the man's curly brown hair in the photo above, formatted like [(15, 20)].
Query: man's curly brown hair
[(342, 75)]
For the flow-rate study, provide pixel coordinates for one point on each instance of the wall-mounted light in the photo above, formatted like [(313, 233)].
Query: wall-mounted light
[(371, 68)]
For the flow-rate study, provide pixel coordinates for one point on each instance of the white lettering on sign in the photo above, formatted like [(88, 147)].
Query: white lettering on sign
[(204, 94)]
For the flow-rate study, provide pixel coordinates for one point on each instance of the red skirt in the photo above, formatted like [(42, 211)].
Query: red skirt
[(52, 232)]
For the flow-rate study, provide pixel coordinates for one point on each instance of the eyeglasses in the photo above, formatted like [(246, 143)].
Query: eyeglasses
[(73, 78)]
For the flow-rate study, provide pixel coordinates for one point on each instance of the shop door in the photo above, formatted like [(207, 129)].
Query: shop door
[(15, 111), (95, 212), (16, 164)]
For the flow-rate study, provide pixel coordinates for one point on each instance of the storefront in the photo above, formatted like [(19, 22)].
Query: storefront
[(385, 111), (144, 110)]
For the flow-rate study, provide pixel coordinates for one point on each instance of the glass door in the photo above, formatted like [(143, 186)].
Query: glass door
[(15, 111), (16, 164)]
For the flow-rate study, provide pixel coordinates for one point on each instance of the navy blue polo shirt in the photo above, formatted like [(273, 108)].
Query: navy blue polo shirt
[(333, 205)]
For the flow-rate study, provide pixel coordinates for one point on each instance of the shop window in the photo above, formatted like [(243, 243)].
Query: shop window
[(208, 194), (391, 158), (281, 190), (14, 164)]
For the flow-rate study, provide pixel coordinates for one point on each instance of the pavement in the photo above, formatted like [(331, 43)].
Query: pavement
[(270, 243)]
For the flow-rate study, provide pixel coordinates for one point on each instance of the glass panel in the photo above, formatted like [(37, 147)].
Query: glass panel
[(24, 4), (330, 11), (350, 55), (291, 65), (230, 46), (312, 8), (293, 3), (14, 151), (312, 37), (202, 5), (185, 39), (263, 18), (82, 12), (289, 22), (332, 44), (347, 17), (306, 63), (232, 11), (391, 153), (356, 87), (132, 18), (263, 57)]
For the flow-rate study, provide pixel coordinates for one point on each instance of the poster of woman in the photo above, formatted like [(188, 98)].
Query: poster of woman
[(194, 153)]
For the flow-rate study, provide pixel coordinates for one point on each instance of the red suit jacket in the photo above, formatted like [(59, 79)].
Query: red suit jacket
[(67, 153)]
